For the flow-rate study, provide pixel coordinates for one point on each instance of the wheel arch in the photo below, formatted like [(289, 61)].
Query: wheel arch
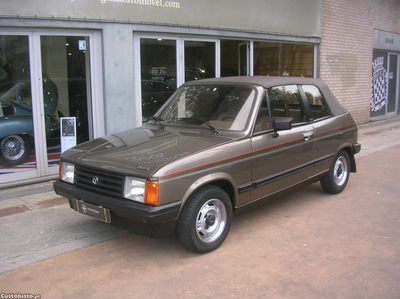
[(348, 148), (221, 180)]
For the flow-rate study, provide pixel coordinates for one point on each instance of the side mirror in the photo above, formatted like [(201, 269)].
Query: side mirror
[(281, 124)]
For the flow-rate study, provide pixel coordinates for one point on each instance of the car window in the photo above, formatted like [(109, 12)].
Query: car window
[(5, 108), (224, 107), (317, 102), (263, 122), (285, 102)]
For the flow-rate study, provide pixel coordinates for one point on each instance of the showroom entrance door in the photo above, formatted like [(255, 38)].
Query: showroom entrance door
[(393, 94), (65, 64), (46, 99)]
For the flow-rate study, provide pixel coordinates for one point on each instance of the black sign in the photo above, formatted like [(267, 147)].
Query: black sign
[(97, 212)]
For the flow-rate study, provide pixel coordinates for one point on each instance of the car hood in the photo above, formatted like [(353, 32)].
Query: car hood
[(141, 151)]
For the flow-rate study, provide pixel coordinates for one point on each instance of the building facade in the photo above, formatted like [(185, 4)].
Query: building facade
[(85, 68), (356, 35)]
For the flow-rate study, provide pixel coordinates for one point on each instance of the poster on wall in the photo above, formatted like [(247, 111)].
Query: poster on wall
[(68, 132), (379, 84)]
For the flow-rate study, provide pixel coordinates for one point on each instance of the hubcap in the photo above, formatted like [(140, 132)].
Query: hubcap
[(13, 147), (340, 171), (211, 220)]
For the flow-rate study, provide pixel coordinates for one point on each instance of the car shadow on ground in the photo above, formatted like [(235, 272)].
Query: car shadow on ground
[(283, 208)]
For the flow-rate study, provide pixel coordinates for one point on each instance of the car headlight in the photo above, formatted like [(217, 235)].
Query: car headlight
[(141, 190), (67, 172)]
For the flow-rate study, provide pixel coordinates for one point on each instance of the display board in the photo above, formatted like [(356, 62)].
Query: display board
[(68, 133)]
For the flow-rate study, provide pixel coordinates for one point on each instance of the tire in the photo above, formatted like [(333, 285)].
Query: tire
[(336, 179), (14, 150), (205, 220)]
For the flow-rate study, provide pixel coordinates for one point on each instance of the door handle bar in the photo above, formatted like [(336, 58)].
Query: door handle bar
[(307, 135)]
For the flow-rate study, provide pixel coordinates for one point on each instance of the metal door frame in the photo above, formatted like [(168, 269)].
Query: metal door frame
[(396, 109)]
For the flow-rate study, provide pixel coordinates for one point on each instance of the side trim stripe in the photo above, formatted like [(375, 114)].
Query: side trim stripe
[(283, 174), (275, 192), (245, 188), (324, 159), (255, 151), (335, 129)]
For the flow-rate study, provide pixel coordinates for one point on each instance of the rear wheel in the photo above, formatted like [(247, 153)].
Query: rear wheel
[(14, 150), (205, 220), (336, 179)]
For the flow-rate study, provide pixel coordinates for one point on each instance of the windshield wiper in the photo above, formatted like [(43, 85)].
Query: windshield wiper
[(158, 119), (203, 121)]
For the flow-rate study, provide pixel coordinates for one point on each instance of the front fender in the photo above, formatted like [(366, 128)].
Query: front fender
[(16, 125)]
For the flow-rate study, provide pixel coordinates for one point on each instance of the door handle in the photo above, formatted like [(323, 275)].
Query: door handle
[(307, 135)]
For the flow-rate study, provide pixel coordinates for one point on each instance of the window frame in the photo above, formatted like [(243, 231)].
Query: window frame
[(266, 98), (307, 105)]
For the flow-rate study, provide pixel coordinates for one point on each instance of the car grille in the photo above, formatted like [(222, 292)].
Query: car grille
[(107, 183)]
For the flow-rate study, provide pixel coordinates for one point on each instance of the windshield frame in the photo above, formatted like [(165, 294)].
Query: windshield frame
[(246, 126)]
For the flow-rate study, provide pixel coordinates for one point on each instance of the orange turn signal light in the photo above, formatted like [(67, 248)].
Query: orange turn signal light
[(151, 193), (59, 170)]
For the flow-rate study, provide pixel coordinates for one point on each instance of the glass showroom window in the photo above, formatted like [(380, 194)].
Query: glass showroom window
[(278, 59), (16, 122), (234, 58), (199, 60), (66, 89), (158, 72)]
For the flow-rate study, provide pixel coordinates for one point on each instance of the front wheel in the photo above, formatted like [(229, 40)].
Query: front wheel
[(336, 179), (205, 220), (14, 150)]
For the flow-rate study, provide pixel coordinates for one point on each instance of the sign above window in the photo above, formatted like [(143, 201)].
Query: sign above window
[(288, 17)]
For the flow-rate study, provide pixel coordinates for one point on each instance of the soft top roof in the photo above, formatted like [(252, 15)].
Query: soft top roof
[(270, 81)]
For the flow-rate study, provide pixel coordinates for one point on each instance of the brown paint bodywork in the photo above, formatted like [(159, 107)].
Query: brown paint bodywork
[(251, 167)]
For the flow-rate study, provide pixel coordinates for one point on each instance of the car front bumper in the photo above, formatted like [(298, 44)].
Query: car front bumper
[(124, 212)]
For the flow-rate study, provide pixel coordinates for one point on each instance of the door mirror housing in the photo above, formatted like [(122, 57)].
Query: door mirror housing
[(281, 124)]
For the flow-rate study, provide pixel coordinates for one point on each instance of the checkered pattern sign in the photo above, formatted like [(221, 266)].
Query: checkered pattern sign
[(379, 84), (380, 88)]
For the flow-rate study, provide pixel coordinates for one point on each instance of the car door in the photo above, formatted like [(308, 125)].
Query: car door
[(281, 160)]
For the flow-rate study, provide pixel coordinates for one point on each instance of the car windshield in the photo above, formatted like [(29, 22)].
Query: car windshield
[(218, 107)]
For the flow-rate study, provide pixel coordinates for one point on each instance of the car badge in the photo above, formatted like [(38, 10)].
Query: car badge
[(84, 208), (143, 168), (95, 180)]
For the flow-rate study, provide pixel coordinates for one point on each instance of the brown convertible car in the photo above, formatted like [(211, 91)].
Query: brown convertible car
[(216, 148)]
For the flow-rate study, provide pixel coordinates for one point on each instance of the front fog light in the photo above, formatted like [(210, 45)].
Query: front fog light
[(134, 189), (67, 172)]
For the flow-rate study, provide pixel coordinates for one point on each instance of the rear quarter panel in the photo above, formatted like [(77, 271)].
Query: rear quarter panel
[(332, 135)]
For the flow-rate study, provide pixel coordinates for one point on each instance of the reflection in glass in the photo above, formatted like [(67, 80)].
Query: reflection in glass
[(158, 71), (317, 102), (221, 107), (16, 124), (199, 60), (285, 101), (234, 58), (66, 73), (276, 59)]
